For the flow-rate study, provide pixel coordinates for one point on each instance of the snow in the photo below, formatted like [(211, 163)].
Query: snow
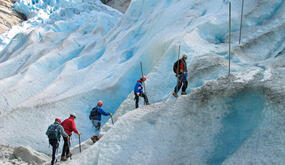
[(70, 54), (27, 154)]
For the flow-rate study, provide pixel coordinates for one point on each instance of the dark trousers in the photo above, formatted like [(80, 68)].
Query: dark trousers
[(137, 99), (54, 144), (66, 145), (181, 81)]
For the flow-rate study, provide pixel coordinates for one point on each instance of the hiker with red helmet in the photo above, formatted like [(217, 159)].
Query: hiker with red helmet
[(95, 117), (54, 132), (69, 127), (138, 91)]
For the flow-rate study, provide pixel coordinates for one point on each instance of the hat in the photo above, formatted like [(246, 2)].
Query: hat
[(73, 114), (143, 78), (58, 119), (100, 103)]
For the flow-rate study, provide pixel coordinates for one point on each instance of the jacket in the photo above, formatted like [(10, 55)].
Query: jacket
[(100, 113), (182, 66), (69, 126), (138, 87)]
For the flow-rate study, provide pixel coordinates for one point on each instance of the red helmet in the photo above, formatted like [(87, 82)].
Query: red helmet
[(143, 78), (100, 103), (58, 119)]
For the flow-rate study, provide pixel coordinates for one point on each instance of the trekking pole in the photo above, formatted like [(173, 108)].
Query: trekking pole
[(143, 82), (79, 143), (230, 9), (68, 144), (241, 20)]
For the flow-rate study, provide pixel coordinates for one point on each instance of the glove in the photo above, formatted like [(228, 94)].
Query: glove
[(138, 94)]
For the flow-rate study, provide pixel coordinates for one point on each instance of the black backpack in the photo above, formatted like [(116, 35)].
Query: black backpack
[(175, 66), (94, 113), (53, 132)]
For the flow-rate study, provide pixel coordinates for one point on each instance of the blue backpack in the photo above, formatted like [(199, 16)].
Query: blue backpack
[(53, 132)]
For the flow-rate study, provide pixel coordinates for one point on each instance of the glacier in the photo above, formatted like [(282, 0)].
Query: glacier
[(70, 54)]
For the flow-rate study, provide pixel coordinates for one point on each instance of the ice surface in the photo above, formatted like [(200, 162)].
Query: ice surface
[(221, 122), (70, 54), (21, 155)]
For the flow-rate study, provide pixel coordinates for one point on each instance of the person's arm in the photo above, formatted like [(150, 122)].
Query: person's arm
[(141, 88), (62, 132), (74, 128), (137, 88), (103, 112)]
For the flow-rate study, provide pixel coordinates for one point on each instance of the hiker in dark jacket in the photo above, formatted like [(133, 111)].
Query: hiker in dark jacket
[(95, 117), (138, 91), (181, 76), (69, 127), (54, 132)]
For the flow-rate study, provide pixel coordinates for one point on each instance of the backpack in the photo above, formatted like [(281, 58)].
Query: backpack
[(94, 113), (175, 66), (53, 132)]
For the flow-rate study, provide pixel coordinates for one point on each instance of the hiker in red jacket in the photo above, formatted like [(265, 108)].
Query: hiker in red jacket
[(181, 74), (69, 127)]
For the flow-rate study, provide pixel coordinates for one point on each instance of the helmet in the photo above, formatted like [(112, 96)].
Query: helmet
[(58, 119), (184, 56), (143, 78), (100, 103), (73, 114)]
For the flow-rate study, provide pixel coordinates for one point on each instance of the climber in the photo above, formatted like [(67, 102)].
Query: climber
[(54, 132), (69, 127), (181, 74), (95, 117), (138, 91)]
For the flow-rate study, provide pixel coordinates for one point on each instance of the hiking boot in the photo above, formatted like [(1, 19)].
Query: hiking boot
[(63, 158), (174, 94), (93, 138), (68, 155), (183, 93), (97, 138)]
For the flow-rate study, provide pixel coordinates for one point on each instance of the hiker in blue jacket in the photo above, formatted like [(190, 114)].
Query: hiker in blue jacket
[(138, 91), (95, 117)]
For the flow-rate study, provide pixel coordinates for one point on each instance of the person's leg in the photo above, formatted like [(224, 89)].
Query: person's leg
[(185, 84), (145, 98), (64, 149), (178, 86), (68, 154), (97, 125), (137, 100), (54, 145)]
